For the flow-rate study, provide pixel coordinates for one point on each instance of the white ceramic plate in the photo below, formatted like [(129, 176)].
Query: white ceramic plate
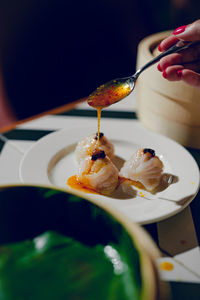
[(51, 161)]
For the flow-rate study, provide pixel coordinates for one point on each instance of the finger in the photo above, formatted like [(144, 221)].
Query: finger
[(172, 73), (190, 66), (177, 73), (167, 43), (189, 32), (190, 77), (187, 56), (169, 60)]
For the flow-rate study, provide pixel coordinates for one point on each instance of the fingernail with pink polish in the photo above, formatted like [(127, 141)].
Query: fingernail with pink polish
[(164, 74), (159, 48), (179, 30), (179, 73), (159, 68)]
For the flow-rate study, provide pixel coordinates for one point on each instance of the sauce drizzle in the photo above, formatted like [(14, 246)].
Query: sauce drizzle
[(98, 127)]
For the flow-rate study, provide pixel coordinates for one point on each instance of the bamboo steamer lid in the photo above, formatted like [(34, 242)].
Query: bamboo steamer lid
[(169, 108)]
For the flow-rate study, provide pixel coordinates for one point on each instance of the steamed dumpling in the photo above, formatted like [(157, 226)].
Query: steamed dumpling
[(143, 167), (98, 173), (89, 144)]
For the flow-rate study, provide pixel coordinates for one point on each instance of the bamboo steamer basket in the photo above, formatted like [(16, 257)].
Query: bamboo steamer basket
[(169, 108)]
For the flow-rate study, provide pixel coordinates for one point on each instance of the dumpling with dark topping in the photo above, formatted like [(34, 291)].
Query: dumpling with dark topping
[(97, 172), (144, 167), (89, 144)]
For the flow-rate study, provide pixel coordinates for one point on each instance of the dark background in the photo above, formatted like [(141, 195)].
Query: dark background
[(56, 51)]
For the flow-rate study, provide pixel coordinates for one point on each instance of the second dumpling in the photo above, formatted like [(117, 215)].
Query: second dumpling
[(144, 167)]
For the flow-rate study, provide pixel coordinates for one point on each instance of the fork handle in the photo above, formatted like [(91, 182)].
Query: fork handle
[(178, 47)]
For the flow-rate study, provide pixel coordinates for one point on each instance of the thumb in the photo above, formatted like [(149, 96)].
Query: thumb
[(189, 32)]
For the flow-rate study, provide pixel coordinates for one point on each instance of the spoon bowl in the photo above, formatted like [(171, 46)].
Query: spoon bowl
[(111, 92)]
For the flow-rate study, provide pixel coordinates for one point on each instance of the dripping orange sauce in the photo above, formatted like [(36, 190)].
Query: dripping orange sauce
[(103, 97), (73, 181), (98, 127), (106, 95)]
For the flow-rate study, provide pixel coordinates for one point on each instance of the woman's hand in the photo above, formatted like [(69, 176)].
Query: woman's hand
[(186, 64)]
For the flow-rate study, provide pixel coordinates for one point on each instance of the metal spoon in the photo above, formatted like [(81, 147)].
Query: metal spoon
[(117, 89)]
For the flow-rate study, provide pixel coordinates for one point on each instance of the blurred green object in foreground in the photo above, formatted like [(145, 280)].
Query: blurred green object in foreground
[(56, 245), (53, 266)]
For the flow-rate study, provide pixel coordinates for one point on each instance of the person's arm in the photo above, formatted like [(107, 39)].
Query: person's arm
[(185, 65)]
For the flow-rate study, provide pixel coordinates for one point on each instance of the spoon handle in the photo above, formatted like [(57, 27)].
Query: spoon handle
[(178, 47)]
